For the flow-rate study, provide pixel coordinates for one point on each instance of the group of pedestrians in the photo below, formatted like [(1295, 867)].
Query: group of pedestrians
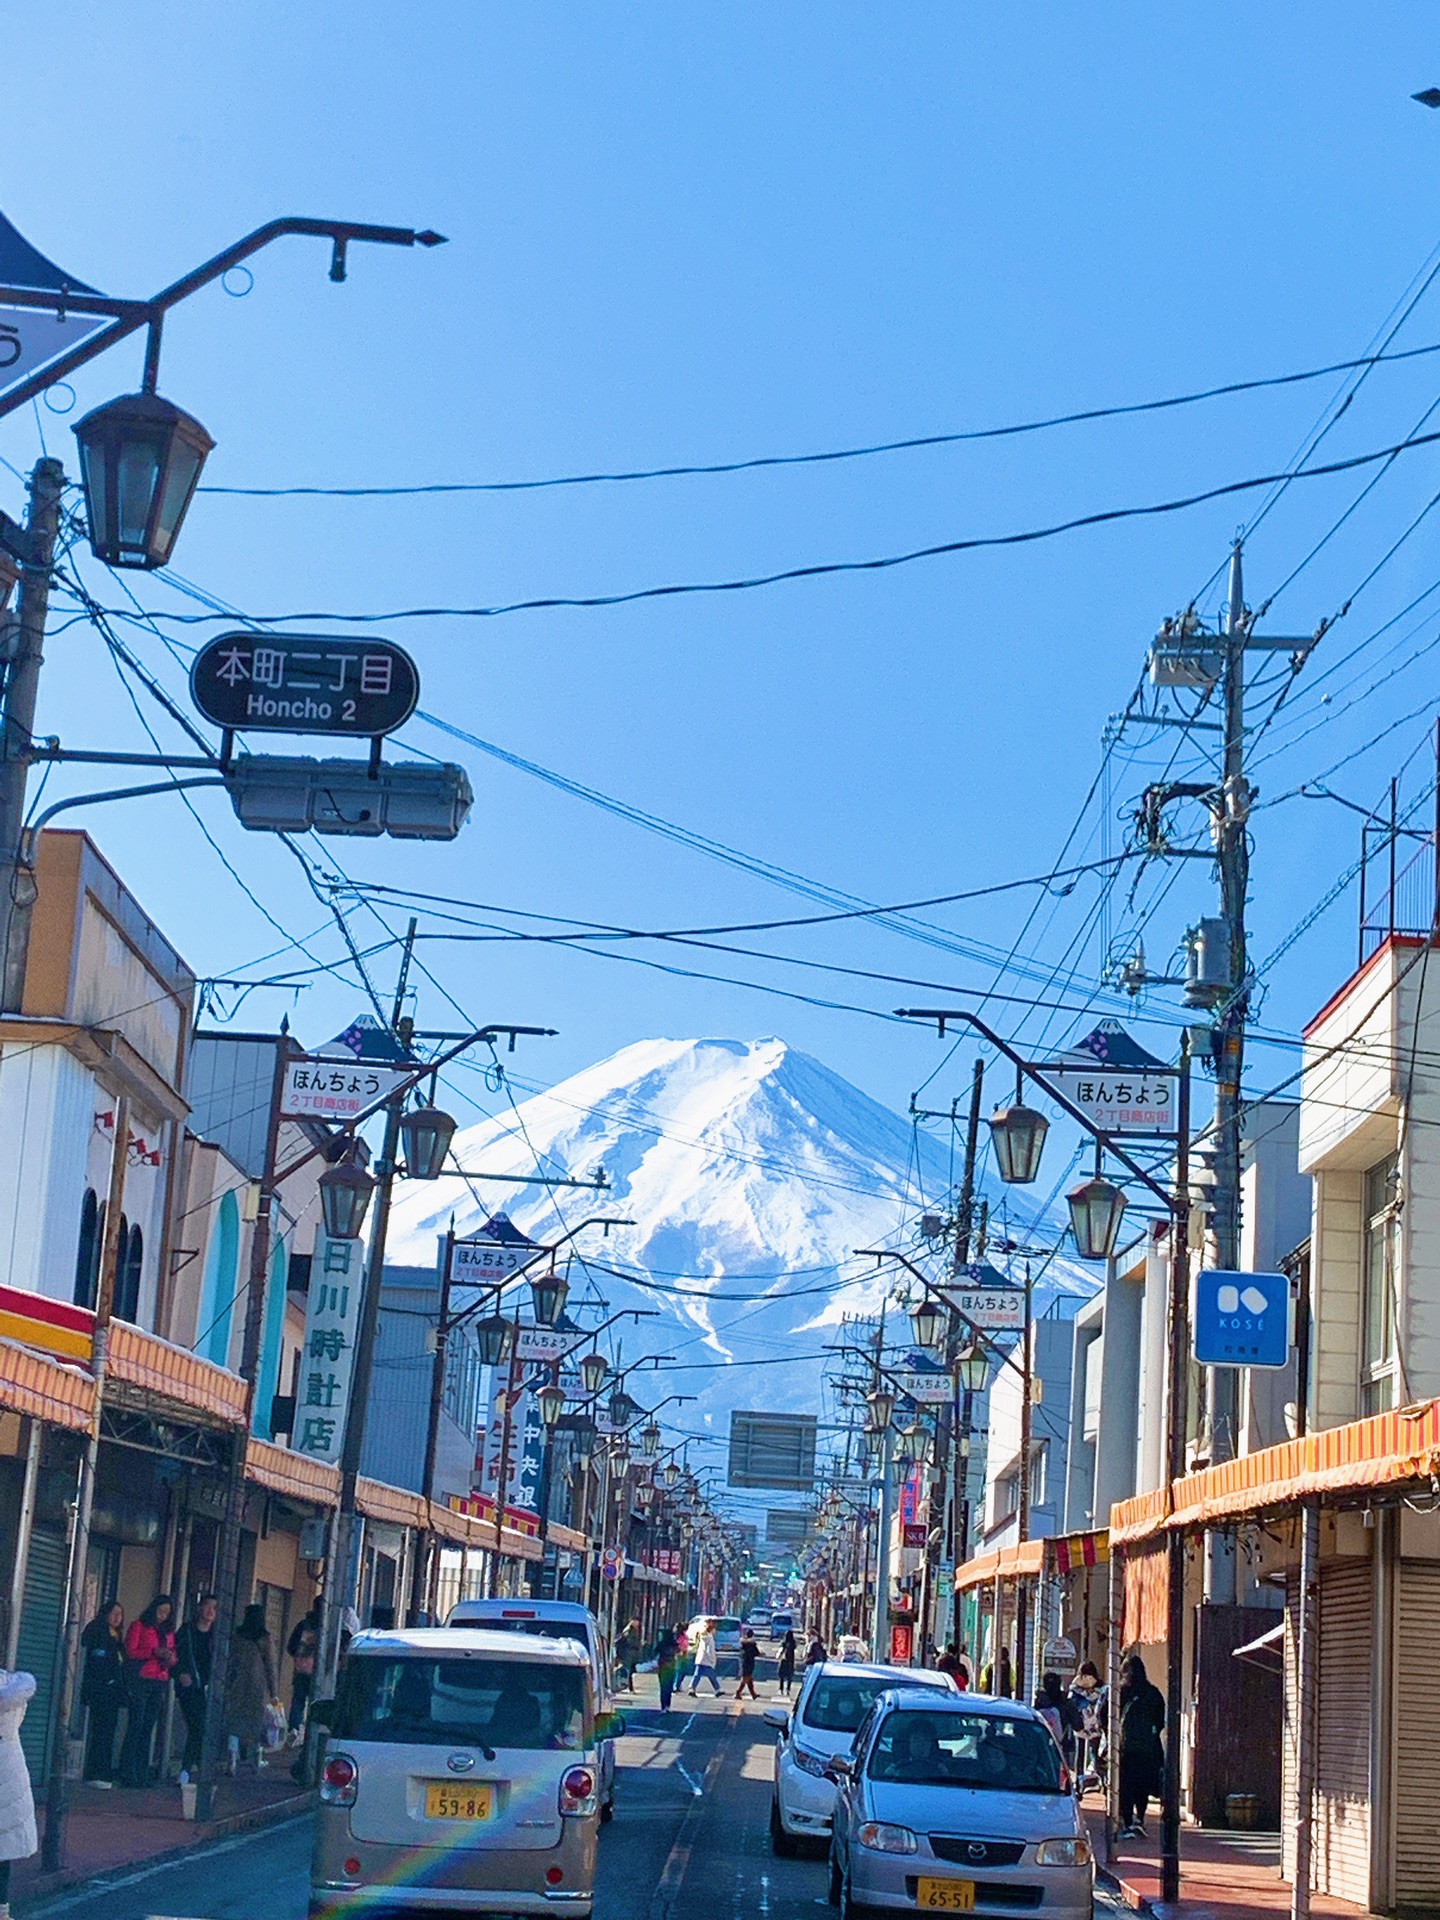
[(130, 1669), (673, 1648)]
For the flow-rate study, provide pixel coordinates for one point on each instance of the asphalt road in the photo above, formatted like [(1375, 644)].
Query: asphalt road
[(690, 1838)]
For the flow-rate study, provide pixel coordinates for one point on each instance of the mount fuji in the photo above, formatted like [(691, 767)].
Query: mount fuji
[(751, 1172)]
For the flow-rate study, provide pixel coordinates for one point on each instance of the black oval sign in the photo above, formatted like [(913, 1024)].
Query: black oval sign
[(304, 683)]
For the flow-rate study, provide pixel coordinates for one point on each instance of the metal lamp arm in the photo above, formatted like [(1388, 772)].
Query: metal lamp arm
[(129, 316), (942, 1014)]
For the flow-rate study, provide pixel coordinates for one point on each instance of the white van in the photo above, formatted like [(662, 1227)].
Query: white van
[(556, 1620)]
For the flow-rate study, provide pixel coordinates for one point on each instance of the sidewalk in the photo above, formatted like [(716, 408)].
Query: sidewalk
[(122, 1828), (1223, 1875)]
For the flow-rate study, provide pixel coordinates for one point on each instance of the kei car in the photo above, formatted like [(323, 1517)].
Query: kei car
[(957, 1803)]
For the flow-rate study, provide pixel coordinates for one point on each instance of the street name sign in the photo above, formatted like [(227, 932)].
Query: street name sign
[(31, 336), (929, 1389), (1119, 1101), (990, 1307), (546, 1343), (334, 1089), (483, 1262), (304, 683), (1242, 1319)]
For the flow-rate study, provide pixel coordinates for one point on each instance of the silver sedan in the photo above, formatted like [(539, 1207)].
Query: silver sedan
[(957, 1805)]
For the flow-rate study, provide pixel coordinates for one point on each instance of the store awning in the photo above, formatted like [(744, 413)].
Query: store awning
[(44, 1389), (1268, 1651), (279, 1470), (1026, 1558), (1388, 1449), (144, 1360)]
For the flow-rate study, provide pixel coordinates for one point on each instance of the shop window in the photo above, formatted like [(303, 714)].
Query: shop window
[(1380, 1278), (87, 1255)]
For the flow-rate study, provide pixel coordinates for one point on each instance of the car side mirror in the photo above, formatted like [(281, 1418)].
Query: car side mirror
[(609, 1726), (322, 1712), (776, 1717), (837, 1768)]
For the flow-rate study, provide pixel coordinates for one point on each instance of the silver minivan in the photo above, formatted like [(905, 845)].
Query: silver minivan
[(460, 1774)]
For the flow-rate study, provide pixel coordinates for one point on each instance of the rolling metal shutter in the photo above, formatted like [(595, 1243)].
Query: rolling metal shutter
[(40, 1645), (1417, 1736), (1288, 1734), (1342, 1799)]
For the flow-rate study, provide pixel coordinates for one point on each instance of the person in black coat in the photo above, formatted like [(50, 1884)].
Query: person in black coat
[(103, 1689), (788, 1650), (667, 1661), (1142, 1749), (194, 1650)]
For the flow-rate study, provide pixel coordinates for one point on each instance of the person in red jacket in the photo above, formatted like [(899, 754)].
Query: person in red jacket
[(149, 1658)]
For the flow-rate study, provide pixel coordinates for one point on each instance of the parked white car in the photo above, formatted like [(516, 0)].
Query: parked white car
[(957, 1803), (832, 1702)]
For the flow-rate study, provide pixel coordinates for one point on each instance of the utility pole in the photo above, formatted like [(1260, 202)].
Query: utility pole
[(1027, 1389), (34, 547)]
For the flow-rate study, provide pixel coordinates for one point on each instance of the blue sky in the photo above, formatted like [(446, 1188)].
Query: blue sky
[(685, 235)]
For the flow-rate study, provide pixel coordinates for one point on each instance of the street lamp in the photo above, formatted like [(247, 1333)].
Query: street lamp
[(345, 1192), (140, 460), (927, 1319), (671, 1477), (549, 1293), (1018, 1133), (650, 1439), (494, 1338), (972, 1368), (593, 1369), (1096, 1210), (427, 1133), (551, 1401), (881, 1405), (914, 1444), (622, 1411)]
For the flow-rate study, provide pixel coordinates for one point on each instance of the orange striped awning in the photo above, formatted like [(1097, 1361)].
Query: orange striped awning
[(41, 1388), (144, 1360), (1025, 1559), (1388, 1449), (395, 1505), (1071, 1551), (280, 1471)]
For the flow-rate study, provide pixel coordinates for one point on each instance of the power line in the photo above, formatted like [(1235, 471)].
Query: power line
[(829, 456), (1108, 516)]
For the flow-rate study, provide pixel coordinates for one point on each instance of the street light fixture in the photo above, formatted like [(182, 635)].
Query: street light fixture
[(427, 1133), (671, 1477), (650, 1439), (549, 1293), (928, 1320), (881, 1405), (345, 1192), (593, 1369), (140, 461), (972, 1368), (551, 1401), (1096, 1210), (494, 1339), (1018, 1133), (915, 1444)]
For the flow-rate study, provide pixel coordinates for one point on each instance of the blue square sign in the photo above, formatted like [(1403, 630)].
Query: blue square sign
[(1242, 1319)]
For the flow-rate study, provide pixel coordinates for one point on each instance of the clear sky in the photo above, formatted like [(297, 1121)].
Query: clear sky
[(684, 235)]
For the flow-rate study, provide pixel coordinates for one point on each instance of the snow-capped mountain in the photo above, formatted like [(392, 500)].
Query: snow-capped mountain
[(752, 1174)]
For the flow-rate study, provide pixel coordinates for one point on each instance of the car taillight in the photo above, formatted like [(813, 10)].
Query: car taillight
[(339, 1781), (577, 1791)]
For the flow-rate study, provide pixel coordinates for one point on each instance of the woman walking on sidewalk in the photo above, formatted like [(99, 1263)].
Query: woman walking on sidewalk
[(749, 1648), (250, 1684), (667, 1660), (303, 1647), (150, 1653), (18, 1839), (1142, 1751), (705, 1658), (103, 1690), (194, 1648)]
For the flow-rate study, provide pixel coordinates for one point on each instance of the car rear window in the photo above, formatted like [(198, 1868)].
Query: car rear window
[(463, 1702), (577, 1630), (965, 1750)]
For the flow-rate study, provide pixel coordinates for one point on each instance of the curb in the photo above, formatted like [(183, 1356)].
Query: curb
[(46, 1885), (1128, 1895)]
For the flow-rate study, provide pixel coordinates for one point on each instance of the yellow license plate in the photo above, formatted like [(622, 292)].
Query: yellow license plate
[(945, 1896), (444, 1802)]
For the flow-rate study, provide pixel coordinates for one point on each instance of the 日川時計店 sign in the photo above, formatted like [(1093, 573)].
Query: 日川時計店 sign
[(335, 1089), (304, 683), (1119, 1102)]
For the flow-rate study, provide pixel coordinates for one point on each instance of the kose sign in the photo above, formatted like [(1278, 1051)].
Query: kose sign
[(304, 683)]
